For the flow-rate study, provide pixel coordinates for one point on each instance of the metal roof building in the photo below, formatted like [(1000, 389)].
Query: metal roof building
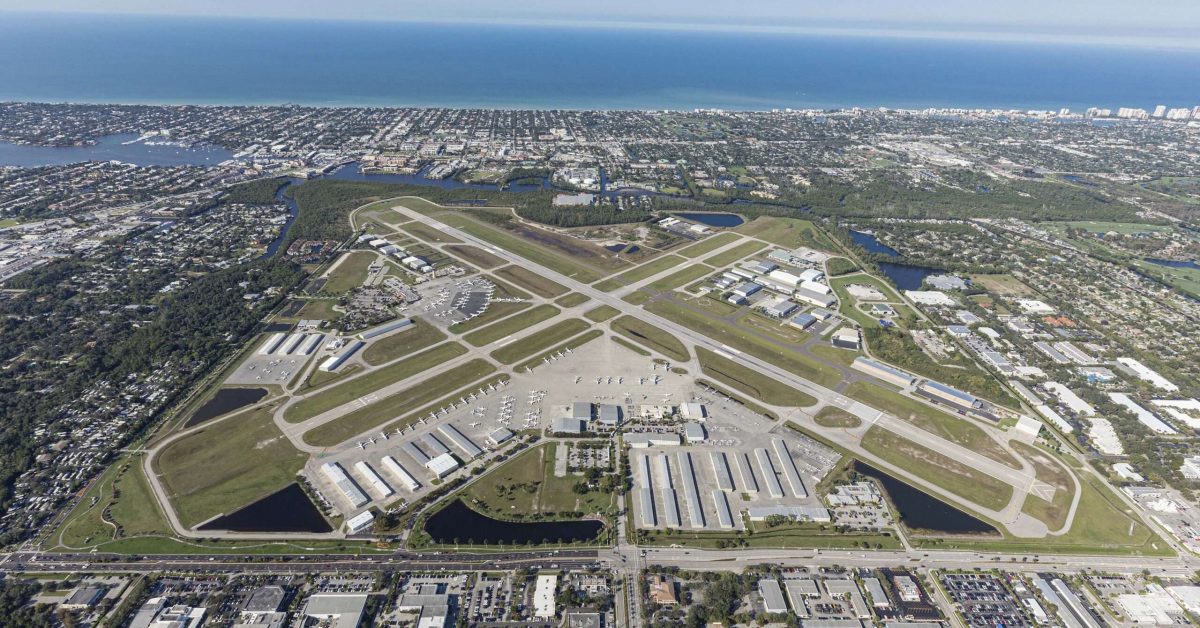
[(385, 328), (567, 425), (646, 495), (415, 453), (774, 488), (581, 410), (691, 493), (608, 414), (393, 467), (803, 320), (373, 480), (290, 345), (884, 372), (442, 465), (789, 468), (747, 289), (721, 470), (271, 344), (943, 392), (462, 442), (500, 436), (643, 440), (749, 482), (360, 522), (694, 432), (336, 474), (334, 362), (434, 444), (312, 341), (724, 515), (670, 505)]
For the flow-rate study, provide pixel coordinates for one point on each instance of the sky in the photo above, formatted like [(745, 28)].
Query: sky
[(1105, 21)]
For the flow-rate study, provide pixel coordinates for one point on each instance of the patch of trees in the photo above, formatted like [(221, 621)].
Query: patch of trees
[(895, 346), (258, 192)]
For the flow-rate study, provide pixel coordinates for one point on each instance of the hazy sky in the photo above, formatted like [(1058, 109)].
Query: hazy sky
[(1141, 19)]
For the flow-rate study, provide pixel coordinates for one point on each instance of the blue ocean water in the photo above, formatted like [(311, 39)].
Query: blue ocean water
[(206, 61)]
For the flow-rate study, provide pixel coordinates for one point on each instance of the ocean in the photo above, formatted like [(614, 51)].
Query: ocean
[(215, 61)]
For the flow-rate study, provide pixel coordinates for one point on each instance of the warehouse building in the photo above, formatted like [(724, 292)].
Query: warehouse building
[(643, 440), (803, 320), (442, 465), (747, 289), (462, 442), (386, 328), (789, 468), (402, 474), (415, 453), (360, 522), (335, 362), (724, 515), (774, 488), (938, 391), (271, 344), (500, 436), (847, 338), (720, 466), (772, 596), (818, 299), (884, 372), (376, 483), (646, 495), (666, 485), (694, 433), (608, 415), (336, 474), (311, 343), (568, 425), (783, 309), (433, 444), (290, 345), (784, 277), (691, 492), (1147, 374), (1069, 399), (746, 470), (799, 513)]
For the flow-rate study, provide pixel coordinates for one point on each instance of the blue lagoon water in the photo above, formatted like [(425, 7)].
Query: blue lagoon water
[(122, 148), (190, 60)]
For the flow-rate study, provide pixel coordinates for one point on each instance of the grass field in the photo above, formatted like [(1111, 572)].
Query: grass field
[(682, 277), (735, 254), (525, 248), (227, 465), (573, 299), (549, 337), (495, 310), (476, 256), (1094, 226), (350, 390), (709, 244), (739, 339), (319, 309), (1053, 512), (531, 281), (787, 536), (511, 325), (319, 378), (572, 344), (350, 273), (787, 232), (834, 417), (949, 474), (419, 336), (399, 404), (429, 234), (1003, 285), (637, 297), (651, 337), (601, 314), (953, 428), (525, 485), (647, 270), (836, 355), (632, 347), (124, 507), (750, 382)]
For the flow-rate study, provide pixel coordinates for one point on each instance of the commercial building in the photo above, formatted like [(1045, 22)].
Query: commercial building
[(813, 297), (442, 465), (803, 320), (772, 596), (1143, 415), (336, 609), (884, 372), (462, 442), (360, 522), (799, 513), (375, 482), (544, 595), (643, 440), (499, 436), (694, 433), (1145, 373), (335, 362), (1069, 399), (608, 414), (847, 338), (784, 277), (336, 474), (783, 309), (402, 474), (568, 425)]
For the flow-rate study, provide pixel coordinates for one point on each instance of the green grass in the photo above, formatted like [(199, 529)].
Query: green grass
[(519, 246), (429, 234), (540, 341), (739, 339), (644, 271), (495, 310), (632, 347), (834, 417), (397, 345), (1053, 512), (787, 232), (951, 475), (1123, 228), (476, 256), (735, 254), (572, 344), (399, 404), (318, 309), (652, 337), (9, 222), (840, 266), (511, 325), (637, 297), (750, 382), (709, 244), (531, 281), (573, 299), (797, 535), (676, 279), (601, 314), (123, 498), (953, 428), (350, 273), (350, 390), (525, 485), (835, 355), (227, 465)]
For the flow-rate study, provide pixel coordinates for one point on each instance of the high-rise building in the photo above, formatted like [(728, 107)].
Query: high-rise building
[(1160, 111)]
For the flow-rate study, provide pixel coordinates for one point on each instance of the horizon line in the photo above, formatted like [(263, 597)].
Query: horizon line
[(900, 31)]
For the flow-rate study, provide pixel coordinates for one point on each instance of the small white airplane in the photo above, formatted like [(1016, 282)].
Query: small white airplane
[(475, 424), (383, 435), (362, 445)]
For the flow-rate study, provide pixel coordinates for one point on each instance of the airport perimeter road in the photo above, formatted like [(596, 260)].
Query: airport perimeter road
[(1019, 524)]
